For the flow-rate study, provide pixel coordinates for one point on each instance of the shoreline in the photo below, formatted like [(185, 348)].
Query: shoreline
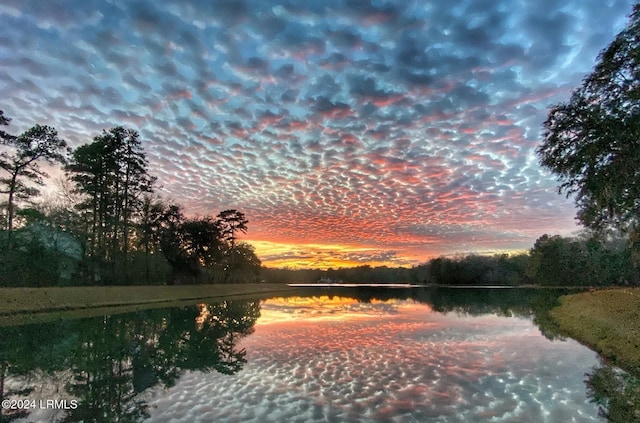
[(33, 301), (605, 321)]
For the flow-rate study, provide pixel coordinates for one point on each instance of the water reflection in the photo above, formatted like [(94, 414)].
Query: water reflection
[(342, 355), (332, 359), (616, 392), (104, 364), (522, 302)]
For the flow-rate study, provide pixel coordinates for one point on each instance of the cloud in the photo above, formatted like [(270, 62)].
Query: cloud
[(407, 129)]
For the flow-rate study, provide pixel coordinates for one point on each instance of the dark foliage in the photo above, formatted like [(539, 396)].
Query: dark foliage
[(21, 164), (592, 142), (113, 359)]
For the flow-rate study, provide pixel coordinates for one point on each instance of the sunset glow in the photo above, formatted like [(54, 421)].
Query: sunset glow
[(347, 132), (310, 309)]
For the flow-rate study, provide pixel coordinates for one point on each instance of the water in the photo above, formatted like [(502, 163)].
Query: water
[(409, 355)]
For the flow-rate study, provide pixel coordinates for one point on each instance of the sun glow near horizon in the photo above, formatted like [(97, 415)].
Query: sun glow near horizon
[(327, 256), (297, 256)]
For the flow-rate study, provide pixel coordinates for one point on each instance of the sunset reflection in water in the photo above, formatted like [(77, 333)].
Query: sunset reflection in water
[(336, 359), (306, 309)]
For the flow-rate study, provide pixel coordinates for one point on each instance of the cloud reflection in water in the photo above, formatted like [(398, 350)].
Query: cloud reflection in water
[(321, 359)]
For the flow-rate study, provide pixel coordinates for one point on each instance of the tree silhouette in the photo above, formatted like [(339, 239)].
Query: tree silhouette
[(149, 228), (592, 142), (112, 174), (38, 144), (190, 244), (231, 221)]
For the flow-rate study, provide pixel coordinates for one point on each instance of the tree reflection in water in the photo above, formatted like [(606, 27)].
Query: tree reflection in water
[(616, 392), (113, 359)]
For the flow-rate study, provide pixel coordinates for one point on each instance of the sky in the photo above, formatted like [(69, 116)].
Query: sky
[(348, 132)]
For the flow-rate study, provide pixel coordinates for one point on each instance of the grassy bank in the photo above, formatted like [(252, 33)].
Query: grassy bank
[(40, 300), (605, 320)]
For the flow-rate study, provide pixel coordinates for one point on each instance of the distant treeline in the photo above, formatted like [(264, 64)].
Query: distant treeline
[(553, 261)]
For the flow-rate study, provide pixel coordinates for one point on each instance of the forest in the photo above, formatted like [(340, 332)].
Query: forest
[(107, 227), (584, 260)]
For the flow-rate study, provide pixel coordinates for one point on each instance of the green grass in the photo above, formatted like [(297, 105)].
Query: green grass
[(25, 305), (607, 321)]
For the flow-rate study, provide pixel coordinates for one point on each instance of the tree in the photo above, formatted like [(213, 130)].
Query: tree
[(232, 221), (201, 240), (592, 142), (194, 245), (241, 264), (133, 179), (586, 261), (38, 144), (112, 174), (552, 260), (617, 393), (148, 229), (189, 244)]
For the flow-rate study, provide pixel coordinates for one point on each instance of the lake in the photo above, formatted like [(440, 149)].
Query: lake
[(339, 355)]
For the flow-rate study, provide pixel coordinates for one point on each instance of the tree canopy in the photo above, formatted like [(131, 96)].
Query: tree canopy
[(592, 142), (38, 144)]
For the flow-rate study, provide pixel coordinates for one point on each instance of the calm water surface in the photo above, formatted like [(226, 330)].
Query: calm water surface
[(419, 357)]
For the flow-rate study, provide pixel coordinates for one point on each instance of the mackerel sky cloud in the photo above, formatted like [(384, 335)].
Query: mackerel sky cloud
[(349, 132)]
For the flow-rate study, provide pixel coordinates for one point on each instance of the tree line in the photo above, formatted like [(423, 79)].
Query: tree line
[(586, 260), (110, 228)]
